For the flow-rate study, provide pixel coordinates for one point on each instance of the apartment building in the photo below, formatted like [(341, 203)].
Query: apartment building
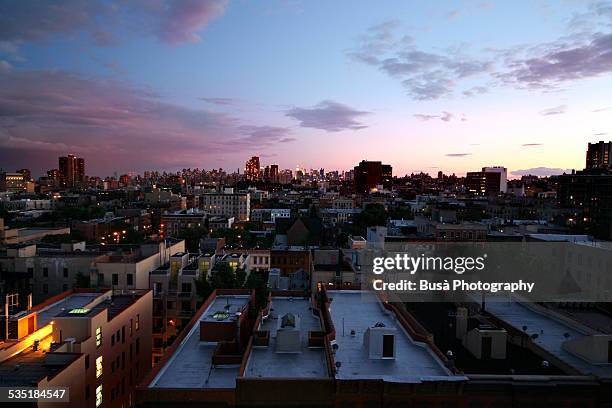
[(227, 204), (355, 348), (97, 344)]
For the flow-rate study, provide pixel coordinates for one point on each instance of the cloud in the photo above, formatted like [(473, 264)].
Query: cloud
[(44, 114), (424, 117), (171, 21), (531, 144), (451, 15), (600, 134), (5, 66), (183, 19), (540, 171), (475, 90), (444, 116), (557, 110), (561, 62), (425, 75), (329, 116), (430, 75), (602, 109), (457, 154), (218, 101)]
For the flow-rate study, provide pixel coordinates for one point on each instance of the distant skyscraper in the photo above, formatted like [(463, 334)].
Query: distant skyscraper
[(71, 170), (370, 174), (251, 169), (274, 173), (598, 155)]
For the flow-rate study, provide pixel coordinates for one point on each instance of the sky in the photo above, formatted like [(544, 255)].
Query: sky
[(423, 86)]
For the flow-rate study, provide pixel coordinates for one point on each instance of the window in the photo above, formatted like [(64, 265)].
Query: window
[(45, 272), (113, 340), (99, 395), (64, 287), (118, 336), (87, 392), (115, 279), (137, 322), (112, 366), (123, 335), (137, 345), (30, 271), (87, 361), (65, 272), (100, 279), (99, 367), (45, 288), (130, 279), (98, 337), (186, 287)]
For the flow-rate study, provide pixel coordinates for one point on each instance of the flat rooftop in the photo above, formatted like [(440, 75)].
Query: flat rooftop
[(190, 366), (28, 368), (265, 362), (70, 302), (551, 333), (359, 310)]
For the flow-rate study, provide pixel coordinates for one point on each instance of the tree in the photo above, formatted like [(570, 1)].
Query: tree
[(203, 286), (224, 277), (257, 282), (192, 237)]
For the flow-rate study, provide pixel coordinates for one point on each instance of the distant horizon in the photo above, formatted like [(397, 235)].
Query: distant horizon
[(423, 86)]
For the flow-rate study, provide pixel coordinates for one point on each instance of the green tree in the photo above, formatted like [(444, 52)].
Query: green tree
[(192, 237), (256, 281)]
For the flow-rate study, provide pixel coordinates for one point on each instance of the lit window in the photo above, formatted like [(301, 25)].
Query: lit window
[(98, 367), (98, 395), (98, 337), (137, 322)]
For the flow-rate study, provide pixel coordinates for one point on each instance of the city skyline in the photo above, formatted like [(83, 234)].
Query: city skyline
[(171, 85)]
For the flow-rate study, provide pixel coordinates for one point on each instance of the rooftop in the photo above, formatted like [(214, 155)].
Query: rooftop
[(359, 310), (308, 362), (29, 367), (70, 302), (551, 333), (190, 366)]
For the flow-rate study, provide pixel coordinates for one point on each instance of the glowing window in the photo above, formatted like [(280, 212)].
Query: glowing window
[(98, 337), (99, 367), (98, 395)]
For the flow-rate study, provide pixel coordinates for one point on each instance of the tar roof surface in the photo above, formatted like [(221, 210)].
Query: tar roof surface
[(359, 310), (551, 333), (265, 362), (73, 301), (190, 366)]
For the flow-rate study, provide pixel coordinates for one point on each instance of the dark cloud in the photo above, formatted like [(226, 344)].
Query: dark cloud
[(45, 114), (181, 20), (329, 116), (557, 110), (428, 75), (540, 171), (171, 21), (424, 117), (218, 101), (531, 144), (457, 154), (560, 62)]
